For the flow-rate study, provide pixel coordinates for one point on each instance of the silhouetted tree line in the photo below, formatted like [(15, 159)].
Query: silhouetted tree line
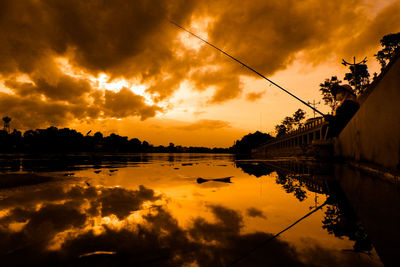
[(250, 141), (54, 140)]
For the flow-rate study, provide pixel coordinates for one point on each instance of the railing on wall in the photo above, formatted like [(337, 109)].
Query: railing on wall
[(311, 132)]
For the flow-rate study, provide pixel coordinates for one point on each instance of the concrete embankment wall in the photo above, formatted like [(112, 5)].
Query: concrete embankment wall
[(376, 203), (373, 134)]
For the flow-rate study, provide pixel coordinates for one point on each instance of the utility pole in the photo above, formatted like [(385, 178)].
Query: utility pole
[(314, 104), (354, 65)]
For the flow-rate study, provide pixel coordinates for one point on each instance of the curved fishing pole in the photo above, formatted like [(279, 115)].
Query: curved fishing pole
[(250, 68), (276, 235)]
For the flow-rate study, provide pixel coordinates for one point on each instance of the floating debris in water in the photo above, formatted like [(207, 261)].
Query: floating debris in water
[(222, 180), (98, 253)]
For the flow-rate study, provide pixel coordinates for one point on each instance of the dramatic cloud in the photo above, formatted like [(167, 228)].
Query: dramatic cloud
[(122, 39), (34, 111), (125, 103), (267, 35), (385, 22), (133, 40), (66, 88)]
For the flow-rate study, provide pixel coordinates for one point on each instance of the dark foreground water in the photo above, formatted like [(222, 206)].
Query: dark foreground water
[(193, 210)]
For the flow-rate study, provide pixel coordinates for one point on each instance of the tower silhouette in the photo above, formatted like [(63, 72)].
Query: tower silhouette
[(7, 120)]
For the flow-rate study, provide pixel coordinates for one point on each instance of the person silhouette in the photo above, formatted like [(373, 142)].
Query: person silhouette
[(348, 106)]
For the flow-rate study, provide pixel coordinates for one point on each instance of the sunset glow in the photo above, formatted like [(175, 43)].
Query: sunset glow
[(140, 67), (199, 133)]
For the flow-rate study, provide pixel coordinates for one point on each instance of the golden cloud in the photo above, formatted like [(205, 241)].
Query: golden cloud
[(133, 40)]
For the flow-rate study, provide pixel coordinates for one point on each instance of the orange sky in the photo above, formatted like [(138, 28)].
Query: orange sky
[(119, 66)]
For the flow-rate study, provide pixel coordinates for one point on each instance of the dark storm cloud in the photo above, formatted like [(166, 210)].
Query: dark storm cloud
[(41, 104), (120, 38), (125, 103), (66, 88), (267, 34), (133, 39), (385, 22), (103, 35), (33, 111)]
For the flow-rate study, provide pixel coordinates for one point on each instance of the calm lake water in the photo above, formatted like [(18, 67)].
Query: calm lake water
[(194, 210)]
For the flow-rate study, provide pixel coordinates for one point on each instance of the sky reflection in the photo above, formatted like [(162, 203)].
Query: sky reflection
[(173, 220)]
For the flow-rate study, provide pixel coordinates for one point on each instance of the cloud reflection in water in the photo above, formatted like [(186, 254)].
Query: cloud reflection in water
[(82, 225)]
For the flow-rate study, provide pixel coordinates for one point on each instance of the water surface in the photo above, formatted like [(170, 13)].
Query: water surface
[(191, 209)]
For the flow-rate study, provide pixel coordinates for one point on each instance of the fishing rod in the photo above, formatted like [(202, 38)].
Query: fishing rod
[(276, 235), (250, 68)]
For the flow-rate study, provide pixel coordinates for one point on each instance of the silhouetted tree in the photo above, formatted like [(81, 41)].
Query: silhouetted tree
[(325, 89), (135, 145), (280, 129), (298, 117), (98, 136), (171, 148), (285, 126), (358, 77), (289, 122), (145, 146), (390, 44), (250, 141)]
